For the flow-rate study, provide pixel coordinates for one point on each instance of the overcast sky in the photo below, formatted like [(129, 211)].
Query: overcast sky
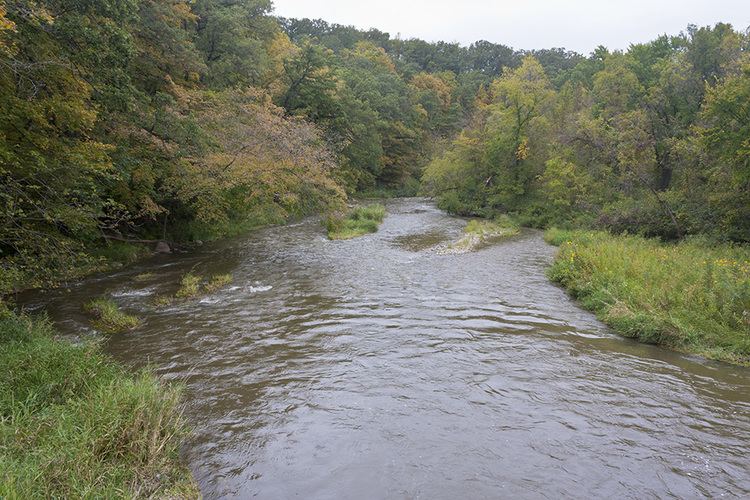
[(579, 25)]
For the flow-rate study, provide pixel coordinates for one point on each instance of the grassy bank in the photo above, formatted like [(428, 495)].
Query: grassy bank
[(73, 424), (358, 222), (692, 296), (58, 267)]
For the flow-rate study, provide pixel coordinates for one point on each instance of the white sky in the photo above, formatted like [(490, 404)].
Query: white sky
[(579, 25)]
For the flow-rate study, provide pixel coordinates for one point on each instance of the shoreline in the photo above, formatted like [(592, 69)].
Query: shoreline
[(687, 297), (77, 423)]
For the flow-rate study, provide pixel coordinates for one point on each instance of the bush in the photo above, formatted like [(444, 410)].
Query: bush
[(687, 296)]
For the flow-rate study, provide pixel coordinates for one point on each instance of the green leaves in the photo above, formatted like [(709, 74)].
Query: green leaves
[(622, 144)]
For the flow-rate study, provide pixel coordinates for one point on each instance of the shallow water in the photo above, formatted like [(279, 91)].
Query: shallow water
[(377, 368)]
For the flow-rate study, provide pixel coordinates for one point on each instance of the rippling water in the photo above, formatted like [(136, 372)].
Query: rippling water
[(377, 368)]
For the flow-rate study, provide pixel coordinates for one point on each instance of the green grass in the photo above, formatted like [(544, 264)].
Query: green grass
[(217, 282), (163, 301), (499, 227), (144, 277), (194, 285), (73, 424), (190, 286), (118, 253), (359, 222), (108, 317), (690, 296)]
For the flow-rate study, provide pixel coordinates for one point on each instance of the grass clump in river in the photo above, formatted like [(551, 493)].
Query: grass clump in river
[(359, 222), (217, 282), (190, 286), (194, 285), (689, 296), (109, 318), (73, 424), (144, 277), (479, 231)]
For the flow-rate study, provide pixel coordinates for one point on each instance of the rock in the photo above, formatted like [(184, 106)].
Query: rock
[(163, 247)]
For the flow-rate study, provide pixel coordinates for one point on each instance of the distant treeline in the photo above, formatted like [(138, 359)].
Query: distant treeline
[(482, 58), (175, 119), (654, 140), (193, 119)]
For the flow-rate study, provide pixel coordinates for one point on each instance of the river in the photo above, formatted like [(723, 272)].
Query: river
[(379, 368)]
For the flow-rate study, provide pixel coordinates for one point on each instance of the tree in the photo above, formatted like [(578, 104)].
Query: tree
[(232, 36), (727, 137), (521, 97), (51, 164), (257, 159)]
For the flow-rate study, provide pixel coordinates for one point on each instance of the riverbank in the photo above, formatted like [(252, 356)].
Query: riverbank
[(690, 296), (80, 260), (75, 424)]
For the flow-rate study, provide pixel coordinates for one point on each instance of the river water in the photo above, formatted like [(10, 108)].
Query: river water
[(379, 368)]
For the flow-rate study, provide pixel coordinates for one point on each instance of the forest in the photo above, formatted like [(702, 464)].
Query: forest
[(149, 120), (145, 120), (652, 141)]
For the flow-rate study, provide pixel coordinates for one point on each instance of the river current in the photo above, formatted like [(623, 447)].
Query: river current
[(380, 368)]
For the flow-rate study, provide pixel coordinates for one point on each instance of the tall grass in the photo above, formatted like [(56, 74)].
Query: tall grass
[(358, 222), (73, 424), (108, 318), (193, 285), (190, 286), (689, 296)]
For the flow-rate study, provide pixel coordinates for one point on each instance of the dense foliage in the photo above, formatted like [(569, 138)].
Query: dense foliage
[(145, 119), (655, 140), (183, 120), (193, 119)]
